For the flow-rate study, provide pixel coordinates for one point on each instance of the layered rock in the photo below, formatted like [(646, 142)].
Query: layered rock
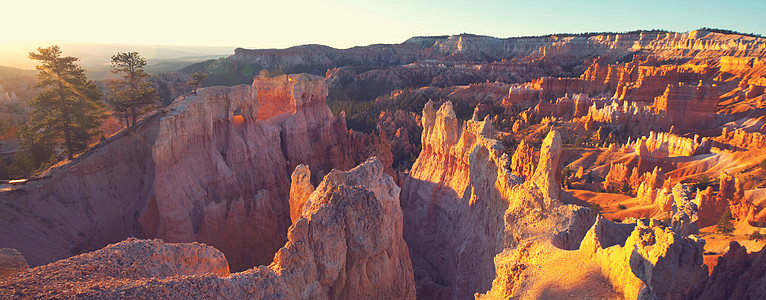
[(740, 139), (523, 160), (462, 206), (346, 244), (11, 261), (655, 262), (617, 178), (635, 118), (300, 190), (205, 169), (689, 106), (648, 188), (737, 275), (456, 177), (643, 261), (109, 272), (665, 144), (730, 196)]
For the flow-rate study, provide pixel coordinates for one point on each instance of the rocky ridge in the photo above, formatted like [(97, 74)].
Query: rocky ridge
[(188, 176), (347, 243)]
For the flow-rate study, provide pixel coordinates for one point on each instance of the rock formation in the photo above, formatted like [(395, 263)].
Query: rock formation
[(730, 197), (665, 144), (204, 169), (741, 139), (642, 261), (346, 244), (737, 275), (300, 190), (617, 178), (11, 261), (454, 178), (648, 188), (461, 175), (689, 106), (523, 161)]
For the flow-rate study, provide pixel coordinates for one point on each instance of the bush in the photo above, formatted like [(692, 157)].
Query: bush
[(702, 183), (622, 206), (756, 235)]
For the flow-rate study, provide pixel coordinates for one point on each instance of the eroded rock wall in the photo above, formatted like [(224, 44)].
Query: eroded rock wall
[(205, 169), (347, 244)]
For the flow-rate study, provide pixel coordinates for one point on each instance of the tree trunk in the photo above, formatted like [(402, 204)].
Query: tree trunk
[(133, 114), (68, 138)]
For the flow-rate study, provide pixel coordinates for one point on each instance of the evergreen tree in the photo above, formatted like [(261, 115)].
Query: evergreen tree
[(133, 92), (196, 80), (724, 223), (67, 109)]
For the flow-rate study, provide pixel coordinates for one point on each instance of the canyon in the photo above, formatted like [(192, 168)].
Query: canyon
[(601, 166)]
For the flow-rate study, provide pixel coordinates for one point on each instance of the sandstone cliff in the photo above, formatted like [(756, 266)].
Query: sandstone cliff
[(738, 275), (462, 206), (452, 206), (346, 244), (205, 169), (643, 261)]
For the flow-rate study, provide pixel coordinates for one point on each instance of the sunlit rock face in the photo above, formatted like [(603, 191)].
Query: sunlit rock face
[(462, 205), (452, 206), (634, 261), (204, 169), (346, 244)]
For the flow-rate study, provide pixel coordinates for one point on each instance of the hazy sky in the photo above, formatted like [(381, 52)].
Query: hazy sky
[(346, 23)]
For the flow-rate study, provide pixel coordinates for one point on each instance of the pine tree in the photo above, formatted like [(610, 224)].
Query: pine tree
[(67, 110), (724, 223), (133, 92), (196, 80)]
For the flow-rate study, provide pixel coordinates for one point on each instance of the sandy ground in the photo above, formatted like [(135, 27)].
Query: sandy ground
[(609, 205)]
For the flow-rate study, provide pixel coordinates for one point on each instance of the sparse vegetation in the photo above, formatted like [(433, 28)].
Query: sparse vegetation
[(702, 183), (196, 81), (725, 224), (566, 182), (134, 93), (67, 111)]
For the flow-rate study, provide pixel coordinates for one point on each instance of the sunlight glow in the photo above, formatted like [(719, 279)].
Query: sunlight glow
[(341, 23)]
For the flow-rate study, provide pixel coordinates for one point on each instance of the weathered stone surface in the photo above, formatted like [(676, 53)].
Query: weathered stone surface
[(300, 190), (205, 169), (347, 244), (689, 106), (11, 261), (547, 176), (459, 175), (649, 262), (737, 275), (115, 268), (523, 161)]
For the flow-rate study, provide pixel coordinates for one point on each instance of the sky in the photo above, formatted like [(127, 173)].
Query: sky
[(345, 23)]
